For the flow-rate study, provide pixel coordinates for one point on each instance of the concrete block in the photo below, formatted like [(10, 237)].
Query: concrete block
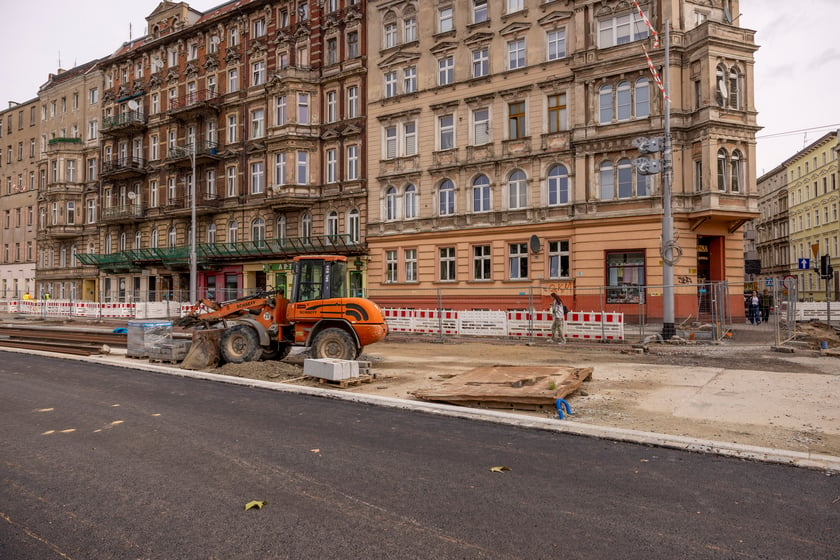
[(330, 369)]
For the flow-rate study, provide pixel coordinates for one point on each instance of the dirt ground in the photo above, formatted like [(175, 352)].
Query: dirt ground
[(621, 393)]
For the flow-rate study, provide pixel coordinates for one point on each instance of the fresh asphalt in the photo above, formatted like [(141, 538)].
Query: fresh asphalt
[(97, 461)]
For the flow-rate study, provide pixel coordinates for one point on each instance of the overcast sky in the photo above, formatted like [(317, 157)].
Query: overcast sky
[(797, 66)]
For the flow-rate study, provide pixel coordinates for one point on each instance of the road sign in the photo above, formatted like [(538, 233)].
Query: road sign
[(804, 264), (768, 282), (815, 248), (789, 282)]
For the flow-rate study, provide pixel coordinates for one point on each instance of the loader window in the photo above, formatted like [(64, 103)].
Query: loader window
[(338, 287), (310, 280)]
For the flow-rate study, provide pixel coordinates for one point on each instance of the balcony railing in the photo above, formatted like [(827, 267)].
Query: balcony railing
[(127, 119), (203, 148), (125, 165), (127, 211), (195, 100)]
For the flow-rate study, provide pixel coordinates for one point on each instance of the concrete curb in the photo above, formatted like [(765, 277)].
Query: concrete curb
[(816, 461)]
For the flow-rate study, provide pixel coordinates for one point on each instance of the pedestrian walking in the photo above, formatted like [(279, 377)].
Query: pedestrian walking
[(765, 303), (558, 312), (754, 312)]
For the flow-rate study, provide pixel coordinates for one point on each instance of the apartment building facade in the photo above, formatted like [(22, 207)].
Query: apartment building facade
[(500, 149), (772, 239), (18, 195), (812, 177), (69, 115), (258, 108)]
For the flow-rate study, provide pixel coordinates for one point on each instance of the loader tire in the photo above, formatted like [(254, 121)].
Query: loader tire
[(240, 343), (335, 344), (276, 351)]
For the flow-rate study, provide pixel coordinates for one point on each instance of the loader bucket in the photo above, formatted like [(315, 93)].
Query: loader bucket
[(204, 350)]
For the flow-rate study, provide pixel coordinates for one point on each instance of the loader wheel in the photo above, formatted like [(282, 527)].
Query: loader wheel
[(276, 351), (335, 344), (240, 344)]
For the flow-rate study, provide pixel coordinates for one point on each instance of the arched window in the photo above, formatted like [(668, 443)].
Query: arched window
[(258, 232), (123, 241), (517, 190), (624, 104), (390, 204), (642, 184), (332, 225), (625, 179), (735, 167), (446, 198), (605, 104), (721, 169), (138, 240), (281, 228), (154, 239), (721, 91), (607, 181), (410, 201), (558, 185), (109, 248), (734, 89), (481, 194), (73, 252), (354, 225), (306, 226), (172, 238), (233, 232), (211, 233), (642, 98)]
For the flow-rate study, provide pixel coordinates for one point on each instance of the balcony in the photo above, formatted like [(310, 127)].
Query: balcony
[(64, 231), (64, 145), (206, 151), (195, 103), (126, 213), (126, 123), (124, 167)]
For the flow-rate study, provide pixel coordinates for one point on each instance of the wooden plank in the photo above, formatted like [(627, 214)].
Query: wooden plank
[(506, 386)]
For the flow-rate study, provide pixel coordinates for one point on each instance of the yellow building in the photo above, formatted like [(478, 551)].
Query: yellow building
[(812, 176)]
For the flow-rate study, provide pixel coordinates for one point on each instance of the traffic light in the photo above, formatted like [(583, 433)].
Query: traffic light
[(647, 166), (826, 270)]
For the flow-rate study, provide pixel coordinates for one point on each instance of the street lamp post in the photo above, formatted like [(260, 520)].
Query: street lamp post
[(193, 258)]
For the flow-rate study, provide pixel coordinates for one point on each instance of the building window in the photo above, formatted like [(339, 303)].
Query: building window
[(558, 185), (233, 80), (390, 80), (231, 129), (303, 108), (605, 104), (556, 41), (446, 131), (514, 6), (517, 190), (410, 79), (257, 123), (516, 120), (642, 94), (480, 62), (352, 162), (233, 232), (481, 126), (518, 261), (391, 204), (257, 177), (332, 165), (231, 190), (447, 264), (410, 138), (332, 51), (280, 168), (332, 106), (302, 168), (558, 259), (619, 30), (258, 73), (353, 44), (446, 198), (390, 144), (352, 102), (390, 267), (557, 113), (481, 194), (623, 101), (332, 225), (354, 225), (410, 257), (625, 276), (390, 35), (735, 175), (409, 29), (446, 70), (721, 169), (516, 54), (607, 181), (625, 178), (410, 201), (482, 262), (280, 110), (445, 22), (479, 11)]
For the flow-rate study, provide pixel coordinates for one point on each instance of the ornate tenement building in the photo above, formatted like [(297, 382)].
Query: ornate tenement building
[(772, 237), (69, 115), (260, 105), (18, 193), (500, 149)]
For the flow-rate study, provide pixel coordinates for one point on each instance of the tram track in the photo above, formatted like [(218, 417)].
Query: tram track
[(61, 339)]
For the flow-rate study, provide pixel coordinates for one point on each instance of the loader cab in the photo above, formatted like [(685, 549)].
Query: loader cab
[(319, 277)]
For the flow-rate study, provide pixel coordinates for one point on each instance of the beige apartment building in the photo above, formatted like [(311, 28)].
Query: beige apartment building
[(812, 177), (500, 150), (256, 106), (771, 229), (18, 195), (69, 117)]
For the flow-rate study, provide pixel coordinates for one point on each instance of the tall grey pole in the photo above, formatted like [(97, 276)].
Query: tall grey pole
[(668, 250), (193, 258)]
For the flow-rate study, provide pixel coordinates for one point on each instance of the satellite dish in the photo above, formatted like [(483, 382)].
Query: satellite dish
[(133, 105), (132, 195), (534, 244)]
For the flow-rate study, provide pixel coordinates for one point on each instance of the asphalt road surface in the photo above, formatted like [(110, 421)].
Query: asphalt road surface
[(100, 462)]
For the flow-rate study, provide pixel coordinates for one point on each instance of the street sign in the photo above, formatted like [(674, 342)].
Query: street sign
[(815, 248), (768, 282), (804, 264), (789, 282)]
